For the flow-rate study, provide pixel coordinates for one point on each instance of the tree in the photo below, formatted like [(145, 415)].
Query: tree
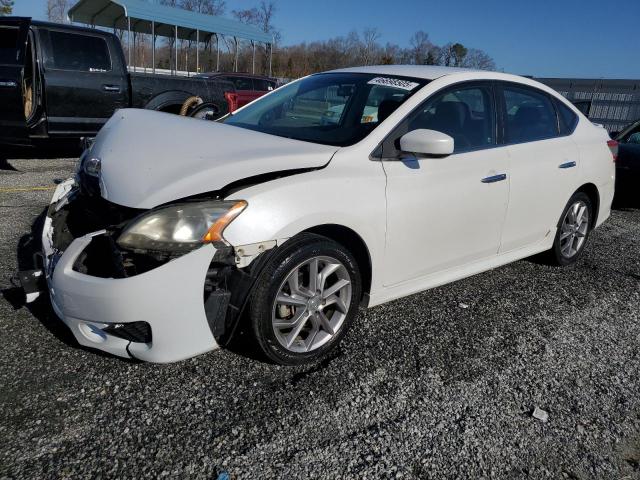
[(369, 48), (453, 55), (479, 60), (421, 46), (209, 7), (57, 10), (6, 7)]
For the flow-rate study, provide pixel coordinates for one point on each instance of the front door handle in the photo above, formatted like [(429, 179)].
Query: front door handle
[(8, 84), (111, 88), (567, 165), (494, 178)]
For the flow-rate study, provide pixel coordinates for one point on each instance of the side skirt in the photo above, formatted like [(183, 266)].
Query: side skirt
[(458, 273)]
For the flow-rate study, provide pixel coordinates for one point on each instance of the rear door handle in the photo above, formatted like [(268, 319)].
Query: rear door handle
[(494, 178), (111, 88), (567, 165)]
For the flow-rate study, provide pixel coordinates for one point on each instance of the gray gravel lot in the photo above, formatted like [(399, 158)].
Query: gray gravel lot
[(421, 388)]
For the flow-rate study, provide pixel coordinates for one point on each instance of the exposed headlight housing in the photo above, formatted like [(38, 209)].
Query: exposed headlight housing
[(92, 166), (180, 227)]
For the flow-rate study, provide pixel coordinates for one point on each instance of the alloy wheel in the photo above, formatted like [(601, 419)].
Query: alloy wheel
[(311, 304), (574, 229)]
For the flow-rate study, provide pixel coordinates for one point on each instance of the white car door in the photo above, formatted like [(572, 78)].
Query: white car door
[(543, 165), (446, 212)]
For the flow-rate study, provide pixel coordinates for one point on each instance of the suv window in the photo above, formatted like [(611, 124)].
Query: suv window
[(568, 119), (241, 83), (466, 114), (78, 52), (263, 85), (8, 44), (529, 115)]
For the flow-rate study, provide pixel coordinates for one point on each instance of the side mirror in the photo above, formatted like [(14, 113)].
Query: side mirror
[(427, 142)]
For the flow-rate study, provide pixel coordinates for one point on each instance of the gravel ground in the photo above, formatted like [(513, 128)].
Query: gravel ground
[(441, 384)]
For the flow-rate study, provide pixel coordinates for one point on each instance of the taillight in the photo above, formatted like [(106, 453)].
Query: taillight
[(613, 146), (232, 100)]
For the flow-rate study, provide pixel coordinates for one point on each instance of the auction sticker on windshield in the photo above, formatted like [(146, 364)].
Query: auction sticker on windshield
[(393, 82)]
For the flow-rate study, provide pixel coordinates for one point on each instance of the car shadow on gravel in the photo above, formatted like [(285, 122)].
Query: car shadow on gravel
[(58, 149), (627, 196), (29, 246)]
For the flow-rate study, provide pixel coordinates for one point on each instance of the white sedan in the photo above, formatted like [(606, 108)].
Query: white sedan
[(343, 189)]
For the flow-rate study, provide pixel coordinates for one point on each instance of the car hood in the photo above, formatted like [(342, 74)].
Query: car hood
[(151, 158)]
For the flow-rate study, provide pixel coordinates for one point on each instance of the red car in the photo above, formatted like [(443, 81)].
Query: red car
[(247, 87)]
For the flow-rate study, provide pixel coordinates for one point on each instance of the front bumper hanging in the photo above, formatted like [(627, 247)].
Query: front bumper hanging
[(169, 299)]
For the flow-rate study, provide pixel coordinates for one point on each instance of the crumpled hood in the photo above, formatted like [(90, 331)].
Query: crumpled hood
[(150, 158)]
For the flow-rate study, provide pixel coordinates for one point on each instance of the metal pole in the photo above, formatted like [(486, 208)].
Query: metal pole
[(253, 59), (153, 50), (197, 51), (134, 51), (270, 57), (176, 48), (235, 66), (210, 62), (217, 53), (129, 38)]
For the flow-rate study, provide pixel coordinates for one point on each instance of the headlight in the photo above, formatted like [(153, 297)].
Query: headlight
[(181, 227)]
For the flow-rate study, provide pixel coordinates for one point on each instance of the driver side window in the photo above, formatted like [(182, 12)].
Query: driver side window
[(466, 114)]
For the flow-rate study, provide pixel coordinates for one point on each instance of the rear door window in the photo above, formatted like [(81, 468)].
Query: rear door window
[(77, 52), (530, 115), (9, 45)]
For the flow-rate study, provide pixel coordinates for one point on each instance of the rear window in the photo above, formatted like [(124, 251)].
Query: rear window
[(568, 119), (9, 44), (82, 53)]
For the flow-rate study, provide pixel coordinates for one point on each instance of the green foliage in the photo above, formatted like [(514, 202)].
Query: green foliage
[(6, 7)]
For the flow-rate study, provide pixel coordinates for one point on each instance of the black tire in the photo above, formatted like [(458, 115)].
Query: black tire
[(206, 111), (288, 257), (555, 255)]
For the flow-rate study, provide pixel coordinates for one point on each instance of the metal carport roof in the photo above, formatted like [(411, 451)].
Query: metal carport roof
[(115, 14)]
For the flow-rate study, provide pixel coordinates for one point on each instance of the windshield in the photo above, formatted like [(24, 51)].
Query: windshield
[(331, 108)]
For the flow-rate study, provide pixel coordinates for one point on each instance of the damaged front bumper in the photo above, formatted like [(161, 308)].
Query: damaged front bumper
[(158, 315)]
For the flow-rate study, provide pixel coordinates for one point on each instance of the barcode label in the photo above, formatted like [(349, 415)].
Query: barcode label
[(393, 82)]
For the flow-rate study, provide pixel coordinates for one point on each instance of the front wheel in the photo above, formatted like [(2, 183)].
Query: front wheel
[(305, 299), (573, 231)]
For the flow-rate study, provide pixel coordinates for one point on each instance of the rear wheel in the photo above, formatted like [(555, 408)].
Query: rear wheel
[(573, 231), (305, 300)]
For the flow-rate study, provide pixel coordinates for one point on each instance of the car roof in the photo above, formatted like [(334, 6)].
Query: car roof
[(67, 26), (428, 72), (433, 72)]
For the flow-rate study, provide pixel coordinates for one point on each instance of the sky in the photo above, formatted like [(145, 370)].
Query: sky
[(544, 38)]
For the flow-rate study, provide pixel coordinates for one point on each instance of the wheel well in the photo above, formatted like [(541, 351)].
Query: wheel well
[(352, 242), (591, 191)]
